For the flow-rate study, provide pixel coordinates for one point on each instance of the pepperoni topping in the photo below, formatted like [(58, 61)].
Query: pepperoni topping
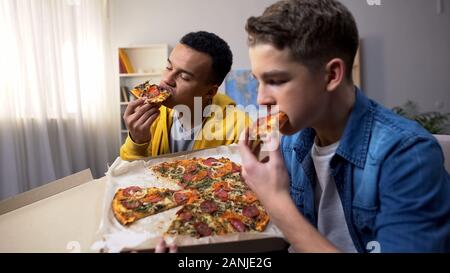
[(212, 174), (235, 168), (191, 168), (130, 191), (250, 211), (180, 197), (188, 177), (185, 216), (131, 204), (222, 194), (210, 161), (153, 91), (202, 229), (237, 224), (208, 206)]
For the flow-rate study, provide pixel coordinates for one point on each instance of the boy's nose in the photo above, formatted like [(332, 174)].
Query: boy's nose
[(264, 98), (169, 78)]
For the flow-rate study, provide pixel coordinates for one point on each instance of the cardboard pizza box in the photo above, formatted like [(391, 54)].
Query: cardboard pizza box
[(266, 245), (64, 216), (61, 216), (45, 191), (116, 238)]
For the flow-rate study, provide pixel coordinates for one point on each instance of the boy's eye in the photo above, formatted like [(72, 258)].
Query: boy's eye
[(168, 68), (275, 82), (185, 76)]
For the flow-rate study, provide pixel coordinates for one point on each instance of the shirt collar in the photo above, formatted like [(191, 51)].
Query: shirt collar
[(355, 139)]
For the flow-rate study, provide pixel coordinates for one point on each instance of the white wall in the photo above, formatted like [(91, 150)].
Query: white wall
[(166, 21), (405, 51)]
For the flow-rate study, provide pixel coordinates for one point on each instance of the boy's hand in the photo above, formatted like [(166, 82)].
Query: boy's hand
[(268, 179), (161, 247), (138, 118)]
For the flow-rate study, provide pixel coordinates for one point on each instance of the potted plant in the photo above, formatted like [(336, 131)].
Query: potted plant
[(435, 122)]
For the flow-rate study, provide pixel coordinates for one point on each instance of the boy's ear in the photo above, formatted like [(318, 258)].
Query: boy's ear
[(335, 71), (212, 91)]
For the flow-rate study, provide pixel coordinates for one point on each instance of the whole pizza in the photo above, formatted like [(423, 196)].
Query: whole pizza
[(213, 200)]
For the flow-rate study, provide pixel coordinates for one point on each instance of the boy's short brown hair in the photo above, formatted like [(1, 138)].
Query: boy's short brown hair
[(315, 31)]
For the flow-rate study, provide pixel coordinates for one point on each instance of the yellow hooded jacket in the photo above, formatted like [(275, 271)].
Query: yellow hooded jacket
[(222, 127)]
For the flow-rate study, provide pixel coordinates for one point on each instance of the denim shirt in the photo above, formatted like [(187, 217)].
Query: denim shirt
[(390, 176)]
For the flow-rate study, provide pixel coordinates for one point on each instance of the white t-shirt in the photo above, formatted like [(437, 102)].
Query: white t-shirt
[(330, 214), (181, 139)]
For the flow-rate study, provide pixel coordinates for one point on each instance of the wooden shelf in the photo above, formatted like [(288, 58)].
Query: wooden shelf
[(149, 59)]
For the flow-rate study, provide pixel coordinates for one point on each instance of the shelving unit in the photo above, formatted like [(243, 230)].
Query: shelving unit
[(143, 63)]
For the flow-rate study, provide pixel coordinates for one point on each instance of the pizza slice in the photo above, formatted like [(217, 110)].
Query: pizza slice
[(198, 220), (209, 217), (244, 217), (220, 167), (231, 190), (134, 203), (151, 92), (198, 173), (237, 206), (186, 173), (266, 125)]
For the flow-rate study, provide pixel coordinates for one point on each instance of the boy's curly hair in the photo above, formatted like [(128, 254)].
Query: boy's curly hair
[(216, 48)]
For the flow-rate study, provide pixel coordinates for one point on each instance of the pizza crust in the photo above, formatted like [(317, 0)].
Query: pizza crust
[(155, 200)]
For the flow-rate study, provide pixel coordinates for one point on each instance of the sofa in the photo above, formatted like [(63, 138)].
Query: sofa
[(444, 140)]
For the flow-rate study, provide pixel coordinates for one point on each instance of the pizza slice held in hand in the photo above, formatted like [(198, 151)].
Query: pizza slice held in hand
[(152, 93), (265, 126)]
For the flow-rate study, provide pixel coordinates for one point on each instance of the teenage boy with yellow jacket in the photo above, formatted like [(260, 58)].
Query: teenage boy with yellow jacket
[(195, 116)]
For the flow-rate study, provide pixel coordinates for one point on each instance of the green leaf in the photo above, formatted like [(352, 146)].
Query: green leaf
[(434, 122)]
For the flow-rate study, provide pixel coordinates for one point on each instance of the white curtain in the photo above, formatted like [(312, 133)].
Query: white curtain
[(59, 110)]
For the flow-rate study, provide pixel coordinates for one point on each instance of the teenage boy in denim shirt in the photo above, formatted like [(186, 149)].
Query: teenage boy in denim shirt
[(349, 175)]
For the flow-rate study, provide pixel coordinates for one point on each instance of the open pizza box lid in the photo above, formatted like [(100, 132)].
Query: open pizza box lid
[(144, 234), (60, 216)]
